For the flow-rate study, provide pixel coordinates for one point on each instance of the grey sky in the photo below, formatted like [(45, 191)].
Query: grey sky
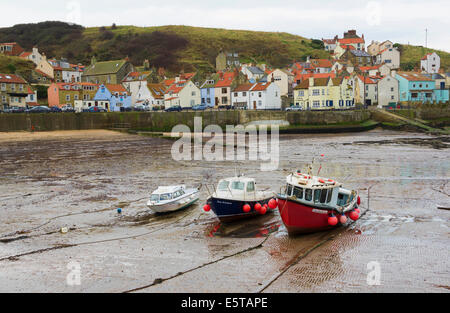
[(400, 21)]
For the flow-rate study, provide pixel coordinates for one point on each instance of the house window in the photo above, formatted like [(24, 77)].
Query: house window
[(244, 94), (392, 97), (259, 94), (301, 93), (193, 93), (414, 95), (259, 103), (316, 92), (392, 88), (224, 90), (68, 98), (235, 94)]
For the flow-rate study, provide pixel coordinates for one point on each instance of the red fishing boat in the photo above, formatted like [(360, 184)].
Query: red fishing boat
[(312, 203)]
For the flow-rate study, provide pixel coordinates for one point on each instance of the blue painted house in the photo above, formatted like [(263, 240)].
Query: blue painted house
[(416, 87), (117, 96), (207, 92)]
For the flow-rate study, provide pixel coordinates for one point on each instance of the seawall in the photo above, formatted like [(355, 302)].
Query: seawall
[(165, 121)]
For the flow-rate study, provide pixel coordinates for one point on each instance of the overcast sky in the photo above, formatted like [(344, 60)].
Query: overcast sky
[(402, 21)]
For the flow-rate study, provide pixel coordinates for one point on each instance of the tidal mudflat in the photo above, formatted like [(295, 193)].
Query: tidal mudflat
[(78, 179)]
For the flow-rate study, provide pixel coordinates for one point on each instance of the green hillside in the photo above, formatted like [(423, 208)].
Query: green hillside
[(411, 55), (13, 65), (176, 47)]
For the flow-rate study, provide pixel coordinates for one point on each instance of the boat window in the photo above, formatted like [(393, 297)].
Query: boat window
[(323, 196), (289, 190), (154, 198), (342, 199), (298, 192), (166, 196), (223, 185), (181, 192), (237, 185), (308, 194), (250, 186), (330, 193), (176, 194), (317, 195)]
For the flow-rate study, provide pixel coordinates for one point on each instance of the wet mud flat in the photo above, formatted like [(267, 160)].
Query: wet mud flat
[(78, 180)]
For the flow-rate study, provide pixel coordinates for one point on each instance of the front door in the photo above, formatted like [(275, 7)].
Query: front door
[(254, 105)]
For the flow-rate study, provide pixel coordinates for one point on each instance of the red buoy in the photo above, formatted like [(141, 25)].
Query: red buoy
[(332, 220), (246, 208), (321, 181), (258, 207), (358, 201), (207, 207), (273, 204), (343, 219), (354, 215), (263, 210), (357, 210)]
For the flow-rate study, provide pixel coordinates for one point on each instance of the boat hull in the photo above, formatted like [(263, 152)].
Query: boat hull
[(228, 210), (301, 219)]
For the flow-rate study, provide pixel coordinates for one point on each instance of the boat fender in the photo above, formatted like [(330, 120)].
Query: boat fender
[(354, 215), (273, 204), (332, 220), (207, 208), (321, 181), (246, 208), (258, 207), (343, 219), (357, 210), (263, 210), (358, 201)]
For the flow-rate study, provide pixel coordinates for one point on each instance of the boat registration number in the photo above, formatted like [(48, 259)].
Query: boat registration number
[(320, 211)]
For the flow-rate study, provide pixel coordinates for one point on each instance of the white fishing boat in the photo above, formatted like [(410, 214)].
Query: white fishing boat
[(172, 198)]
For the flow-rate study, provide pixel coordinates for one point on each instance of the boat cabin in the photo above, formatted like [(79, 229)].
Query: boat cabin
[(317, 191), (164, 194), (236, 188)]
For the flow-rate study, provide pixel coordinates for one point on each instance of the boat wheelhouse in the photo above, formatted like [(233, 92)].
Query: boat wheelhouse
[(238, 197), (172, 198), (312, 203)]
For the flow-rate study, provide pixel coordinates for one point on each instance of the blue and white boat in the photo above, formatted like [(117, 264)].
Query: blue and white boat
[(237, 198)]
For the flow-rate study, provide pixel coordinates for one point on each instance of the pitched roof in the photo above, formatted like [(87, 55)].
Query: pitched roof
[(136, 76), (255, 70), (176, 88), (369, 68), (260, 86), (226, 80), (412, 76), (157, 90), (11, 79), (360, 53), (366, 79), (321, 63), (105, 67), (314, 75), (351, 40), (115, 88), (243, 87), (329, 41), (426, 56)]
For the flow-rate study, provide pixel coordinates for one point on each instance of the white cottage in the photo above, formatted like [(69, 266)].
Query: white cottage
[(430, 63), (265, 96)]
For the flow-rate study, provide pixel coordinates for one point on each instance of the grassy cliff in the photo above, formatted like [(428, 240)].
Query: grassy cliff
[(176, 47)]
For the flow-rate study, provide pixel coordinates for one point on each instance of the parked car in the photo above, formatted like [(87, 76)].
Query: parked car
[(200, 107), (95, 109), (39, 109), (67, 108), (55, 110), (173, 109), (294, 108), (141, 107), (16, 110)]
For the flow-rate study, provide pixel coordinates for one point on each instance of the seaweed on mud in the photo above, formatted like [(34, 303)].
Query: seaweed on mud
[(435, 143)]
